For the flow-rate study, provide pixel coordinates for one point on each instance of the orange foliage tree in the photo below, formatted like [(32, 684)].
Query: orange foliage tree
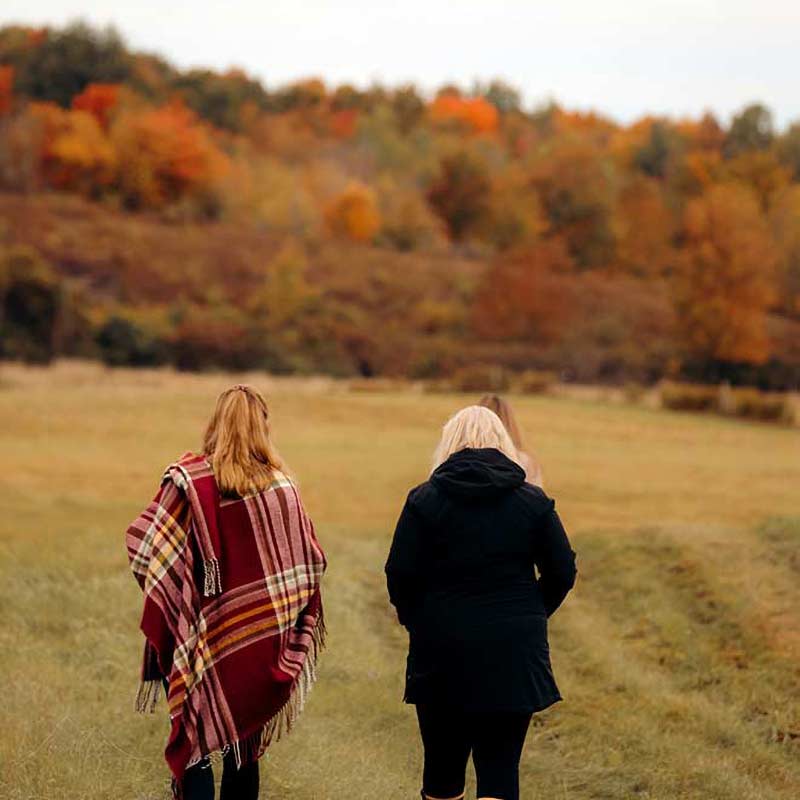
[(645, 228), (725, 283), (473, 113), (75, 152), (354, 214), (166, 154)]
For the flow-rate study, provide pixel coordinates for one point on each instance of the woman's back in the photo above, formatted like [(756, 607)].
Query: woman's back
[(461, 573), (481, 516)]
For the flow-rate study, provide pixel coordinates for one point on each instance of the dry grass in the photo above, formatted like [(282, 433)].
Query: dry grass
[(677, 654)]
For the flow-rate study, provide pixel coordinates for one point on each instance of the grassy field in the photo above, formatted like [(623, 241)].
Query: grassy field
[(678, 653)]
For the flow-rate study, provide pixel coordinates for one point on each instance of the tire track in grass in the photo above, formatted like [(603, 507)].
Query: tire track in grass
[(654, 648)]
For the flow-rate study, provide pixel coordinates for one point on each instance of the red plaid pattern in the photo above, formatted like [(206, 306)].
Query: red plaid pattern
[(232, 611)]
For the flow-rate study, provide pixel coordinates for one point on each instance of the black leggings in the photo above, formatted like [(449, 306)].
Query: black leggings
[(237, 784), (495, 740)]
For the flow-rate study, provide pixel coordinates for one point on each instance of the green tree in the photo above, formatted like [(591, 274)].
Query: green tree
[(218, 98), (751, 129), (65, 61)]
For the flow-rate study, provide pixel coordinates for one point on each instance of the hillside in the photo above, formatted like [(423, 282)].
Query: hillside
[(216, 221)]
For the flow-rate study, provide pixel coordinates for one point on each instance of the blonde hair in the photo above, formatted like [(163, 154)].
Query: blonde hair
[(503, 410), (237, 442), (477, 427)]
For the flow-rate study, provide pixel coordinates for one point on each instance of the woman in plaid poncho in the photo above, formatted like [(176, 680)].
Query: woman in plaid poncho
[(230, 568)]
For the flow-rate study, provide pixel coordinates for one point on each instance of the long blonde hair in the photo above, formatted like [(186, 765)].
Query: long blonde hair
[(237, 442), (503, 410), (529, 462), (473, 426)]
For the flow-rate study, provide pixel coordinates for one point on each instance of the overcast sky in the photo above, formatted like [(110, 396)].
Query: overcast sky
[(622, 57)]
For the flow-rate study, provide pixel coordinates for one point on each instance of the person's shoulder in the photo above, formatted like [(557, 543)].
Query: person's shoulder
[(422, 496), (188, 465), (535, 498)]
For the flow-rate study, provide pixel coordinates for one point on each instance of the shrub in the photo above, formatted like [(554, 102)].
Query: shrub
[(689, 397), (533, 381), (480, 378), (769, 407), (31, 306), (633, 392), (124, 343)]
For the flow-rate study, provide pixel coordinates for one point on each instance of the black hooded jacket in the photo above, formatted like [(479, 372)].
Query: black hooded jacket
[(462, 575)]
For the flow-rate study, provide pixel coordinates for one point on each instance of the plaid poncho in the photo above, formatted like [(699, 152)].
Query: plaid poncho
[(232, 612)]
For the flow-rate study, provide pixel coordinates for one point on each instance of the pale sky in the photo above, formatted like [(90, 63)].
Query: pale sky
[(624, 58)]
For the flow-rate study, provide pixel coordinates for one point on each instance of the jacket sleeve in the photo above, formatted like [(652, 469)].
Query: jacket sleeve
[(555, 560), (404, 566)]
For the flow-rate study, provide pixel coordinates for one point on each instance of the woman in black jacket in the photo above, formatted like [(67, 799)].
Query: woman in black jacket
[(461, 574)]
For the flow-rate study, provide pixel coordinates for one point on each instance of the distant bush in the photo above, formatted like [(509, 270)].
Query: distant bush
[(124, 343), (31, 306), (747, 403), (480, 378), (533, 381), (378, 385), (752, 404), (689, 397), (633, 392)]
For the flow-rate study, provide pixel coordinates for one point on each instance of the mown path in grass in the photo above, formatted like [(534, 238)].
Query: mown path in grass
[(678, 654)]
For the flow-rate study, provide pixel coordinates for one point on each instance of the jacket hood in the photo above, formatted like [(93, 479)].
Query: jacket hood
[(478, 473)]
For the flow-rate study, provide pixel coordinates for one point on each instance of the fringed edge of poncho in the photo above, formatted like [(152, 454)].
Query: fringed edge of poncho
[(252, 747)]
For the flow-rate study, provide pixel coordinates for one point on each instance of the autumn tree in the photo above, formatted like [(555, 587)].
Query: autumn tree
[(166, 154), (354, 213), (408, 108), (576, 185), (726, 281), (474, 114), (525, 295), (645, 228), (785, 223), (6, 88), (515, 217), (762, 171), (220, 98), (789, 150), (658, 153), (76, 154), (459, 194), (99, 100), (504, 97)]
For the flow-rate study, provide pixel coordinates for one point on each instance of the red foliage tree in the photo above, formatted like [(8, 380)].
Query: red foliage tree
[(165, 154), (99, 100), (525, 295), (6, 88)]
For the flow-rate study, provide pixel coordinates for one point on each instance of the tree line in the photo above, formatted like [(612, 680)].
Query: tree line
[(485, 230)]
